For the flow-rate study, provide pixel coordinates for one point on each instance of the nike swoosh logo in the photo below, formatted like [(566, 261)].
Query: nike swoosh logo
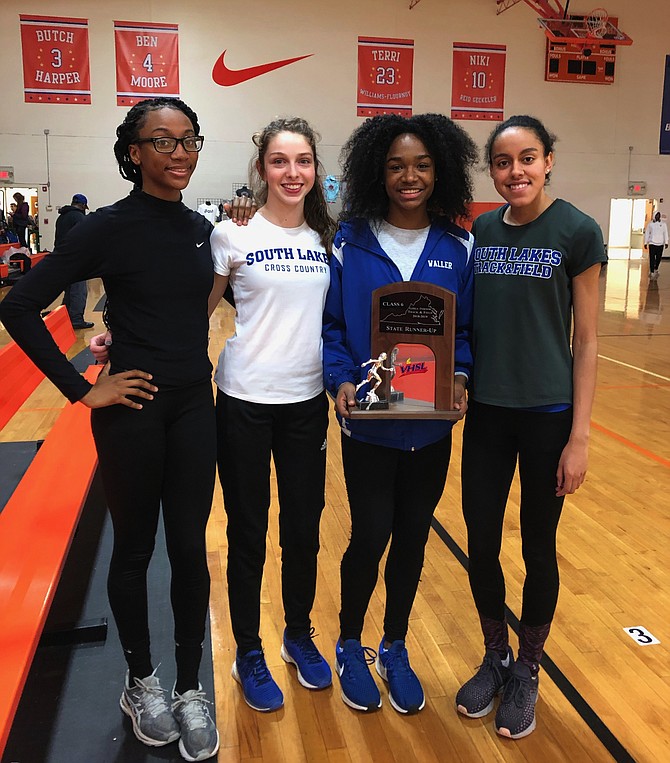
[(197, 246), (226, 77)]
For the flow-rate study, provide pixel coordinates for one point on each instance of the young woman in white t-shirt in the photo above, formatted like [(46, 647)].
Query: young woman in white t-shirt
[(271, 399)]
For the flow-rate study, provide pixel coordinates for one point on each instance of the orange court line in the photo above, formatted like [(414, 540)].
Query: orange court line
[(633, 446)]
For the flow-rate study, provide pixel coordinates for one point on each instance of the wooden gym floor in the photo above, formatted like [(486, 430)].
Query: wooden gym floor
[(603, 695)]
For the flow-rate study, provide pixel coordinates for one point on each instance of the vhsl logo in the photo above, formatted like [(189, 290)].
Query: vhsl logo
[(413, 368)]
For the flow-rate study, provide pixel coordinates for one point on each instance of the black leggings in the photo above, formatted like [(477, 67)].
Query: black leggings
[(160, 456), (392, 494), (21, 234), (493, 439), (294, 435), (655, 254)]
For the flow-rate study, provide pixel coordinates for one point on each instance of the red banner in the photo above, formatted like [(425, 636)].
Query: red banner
[(147, 61), (385, 71), (478, 81), (55, 59)]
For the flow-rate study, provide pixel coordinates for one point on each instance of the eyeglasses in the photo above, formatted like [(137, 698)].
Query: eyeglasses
[(165, 145)]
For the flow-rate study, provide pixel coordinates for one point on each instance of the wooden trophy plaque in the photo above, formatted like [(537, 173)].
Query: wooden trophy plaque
[(411, 312)]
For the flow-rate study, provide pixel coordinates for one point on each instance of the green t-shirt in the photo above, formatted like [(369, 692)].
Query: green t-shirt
[(523, 304)]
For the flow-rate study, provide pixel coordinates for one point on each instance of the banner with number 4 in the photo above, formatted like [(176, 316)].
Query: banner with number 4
[(147, 61)]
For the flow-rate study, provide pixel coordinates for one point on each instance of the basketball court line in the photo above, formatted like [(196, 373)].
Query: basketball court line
[(650, 385), (630, 444), (563, 684), (633, 335), (634, 368)]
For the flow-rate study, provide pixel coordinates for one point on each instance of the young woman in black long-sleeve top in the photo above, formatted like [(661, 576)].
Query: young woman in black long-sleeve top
[(154, 428)]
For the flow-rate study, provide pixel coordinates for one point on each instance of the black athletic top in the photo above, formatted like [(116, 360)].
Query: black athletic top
[(155, 261)]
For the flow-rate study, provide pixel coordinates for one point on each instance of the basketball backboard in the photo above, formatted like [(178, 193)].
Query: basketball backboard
[(585, 30)]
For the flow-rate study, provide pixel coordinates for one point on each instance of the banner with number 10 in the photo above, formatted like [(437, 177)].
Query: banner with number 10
[(478, 81)]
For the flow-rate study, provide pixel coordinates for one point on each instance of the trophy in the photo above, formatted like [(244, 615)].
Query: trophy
[(416, 313)]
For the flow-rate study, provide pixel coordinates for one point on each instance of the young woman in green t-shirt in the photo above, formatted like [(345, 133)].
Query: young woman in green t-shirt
[(537, 263)]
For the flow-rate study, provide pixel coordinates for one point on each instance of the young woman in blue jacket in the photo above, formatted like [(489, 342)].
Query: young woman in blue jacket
[(407, 181)]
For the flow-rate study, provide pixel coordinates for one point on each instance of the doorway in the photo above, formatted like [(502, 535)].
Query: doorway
[(30, 194), (628, 219)]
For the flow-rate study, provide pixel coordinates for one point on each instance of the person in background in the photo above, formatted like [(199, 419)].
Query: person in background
[(271, 402), (21, 219), (537, 261), (7, 235), (656, 239), (76, 293), (154, 429), (407, 181)]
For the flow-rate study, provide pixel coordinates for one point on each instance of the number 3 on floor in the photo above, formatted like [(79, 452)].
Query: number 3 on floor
[(641, 635)]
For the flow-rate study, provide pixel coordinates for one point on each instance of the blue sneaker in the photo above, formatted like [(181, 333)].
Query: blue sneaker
[(259, 687), (359, 689), (313, 671), (405, 691)]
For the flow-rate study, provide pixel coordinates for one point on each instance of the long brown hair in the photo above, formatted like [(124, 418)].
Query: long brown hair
[(316, 209)]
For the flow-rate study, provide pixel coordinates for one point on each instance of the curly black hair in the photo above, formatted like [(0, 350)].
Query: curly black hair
[(316, 209), (363, 161), (129, 131)]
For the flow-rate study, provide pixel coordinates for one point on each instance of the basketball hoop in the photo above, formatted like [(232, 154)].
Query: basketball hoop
[(585, 30), (597, 22)]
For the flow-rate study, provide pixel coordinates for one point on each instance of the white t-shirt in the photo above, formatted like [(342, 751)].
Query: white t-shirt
[(279, 278), (209, 211), (402, 245)]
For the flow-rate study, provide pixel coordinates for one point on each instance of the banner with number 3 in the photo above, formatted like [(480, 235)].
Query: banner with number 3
[(55, 60)]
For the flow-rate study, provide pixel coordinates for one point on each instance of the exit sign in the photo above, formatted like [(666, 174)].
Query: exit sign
[(637, 188), (6, 174)]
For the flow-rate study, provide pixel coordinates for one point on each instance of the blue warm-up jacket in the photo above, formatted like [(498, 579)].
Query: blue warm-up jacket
[(358, 267)]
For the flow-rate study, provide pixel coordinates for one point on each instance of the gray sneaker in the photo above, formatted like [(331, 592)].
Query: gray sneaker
[(516, 713), (145, 704), (199, 737), (475, 698)]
